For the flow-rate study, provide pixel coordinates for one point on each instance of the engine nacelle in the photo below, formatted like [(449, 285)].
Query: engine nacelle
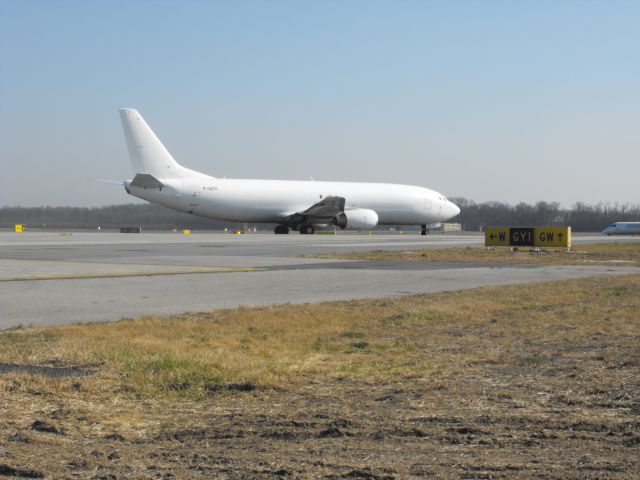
[(357, 219)]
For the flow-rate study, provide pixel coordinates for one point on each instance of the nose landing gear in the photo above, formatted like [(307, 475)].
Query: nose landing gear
[(281, 230)]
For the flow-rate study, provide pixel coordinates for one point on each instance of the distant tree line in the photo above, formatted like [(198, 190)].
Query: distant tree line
[(473, 216), (147, 216), (581, 217)]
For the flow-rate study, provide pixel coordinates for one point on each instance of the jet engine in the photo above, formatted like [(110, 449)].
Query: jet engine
[(357, 219)]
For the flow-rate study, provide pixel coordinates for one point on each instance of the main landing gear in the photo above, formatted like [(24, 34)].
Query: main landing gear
[(424, 230), (304, 229)]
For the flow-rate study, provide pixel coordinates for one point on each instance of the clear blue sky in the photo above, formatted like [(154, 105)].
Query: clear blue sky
[(510, 101)]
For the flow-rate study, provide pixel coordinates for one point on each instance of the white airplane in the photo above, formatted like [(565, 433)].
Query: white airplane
[(297, 205), (623, 228)]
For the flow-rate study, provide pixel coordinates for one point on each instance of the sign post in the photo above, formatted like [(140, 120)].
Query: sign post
[(557, 237), (496, 236), (521, 237), (550, 237)]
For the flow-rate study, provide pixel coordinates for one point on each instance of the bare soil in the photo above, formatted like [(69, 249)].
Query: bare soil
[(520, 426)]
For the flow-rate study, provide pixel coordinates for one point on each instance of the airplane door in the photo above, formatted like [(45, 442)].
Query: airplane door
[(194, 201)]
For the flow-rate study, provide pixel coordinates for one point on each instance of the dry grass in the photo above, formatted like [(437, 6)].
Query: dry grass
[(538, 378), (627, 254), (276, 346)]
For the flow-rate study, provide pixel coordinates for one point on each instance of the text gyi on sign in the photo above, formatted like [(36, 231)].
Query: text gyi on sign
[(559, 237)]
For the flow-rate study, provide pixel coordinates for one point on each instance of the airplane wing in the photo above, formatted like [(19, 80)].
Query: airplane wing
[(325, 209)]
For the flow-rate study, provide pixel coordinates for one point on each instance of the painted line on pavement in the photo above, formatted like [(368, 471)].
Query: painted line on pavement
[(30, 278)]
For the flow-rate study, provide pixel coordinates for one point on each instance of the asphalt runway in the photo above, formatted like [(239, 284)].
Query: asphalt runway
[(55, 278)]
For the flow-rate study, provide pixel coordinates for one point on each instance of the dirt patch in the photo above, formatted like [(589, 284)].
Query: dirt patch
[(341, 429), (52, 372), (9, 471)]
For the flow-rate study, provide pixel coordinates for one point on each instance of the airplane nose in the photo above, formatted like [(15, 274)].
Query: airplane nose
[(455, 210)]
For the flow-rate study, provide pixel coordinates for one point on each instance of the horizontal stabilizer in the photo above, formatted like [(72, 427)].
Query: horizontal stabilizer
[(145, 180)]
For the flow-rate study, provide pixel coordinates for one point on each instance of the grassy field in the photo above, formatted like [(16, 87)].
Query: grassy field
[(627, 254), (523, 381)]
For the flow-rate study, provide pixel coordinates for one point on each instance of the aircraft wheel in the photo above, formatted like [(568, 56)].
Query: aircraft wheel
[(424, 230), (281, 230), (307, 229)]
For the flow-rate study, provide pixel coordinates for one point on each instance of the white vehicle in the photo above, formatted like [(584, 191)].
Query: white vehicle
[(623, 228), (297, 205)]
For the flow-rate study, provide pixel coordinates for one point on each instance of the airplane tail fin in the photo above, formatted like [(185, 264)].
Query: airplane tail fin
[(146, 152)]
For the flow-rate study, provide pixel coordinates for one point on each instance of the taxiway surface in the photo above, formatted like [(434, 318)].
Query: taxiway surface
[(52, 278)]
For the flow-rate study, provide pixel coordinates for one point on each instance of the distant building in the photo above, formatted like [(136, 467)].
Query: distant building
[(448, 228)]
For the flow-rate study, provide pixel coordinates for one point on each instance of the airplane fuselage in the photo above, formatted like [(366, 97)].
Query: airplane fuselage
[(265, 201), (623, 228)]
